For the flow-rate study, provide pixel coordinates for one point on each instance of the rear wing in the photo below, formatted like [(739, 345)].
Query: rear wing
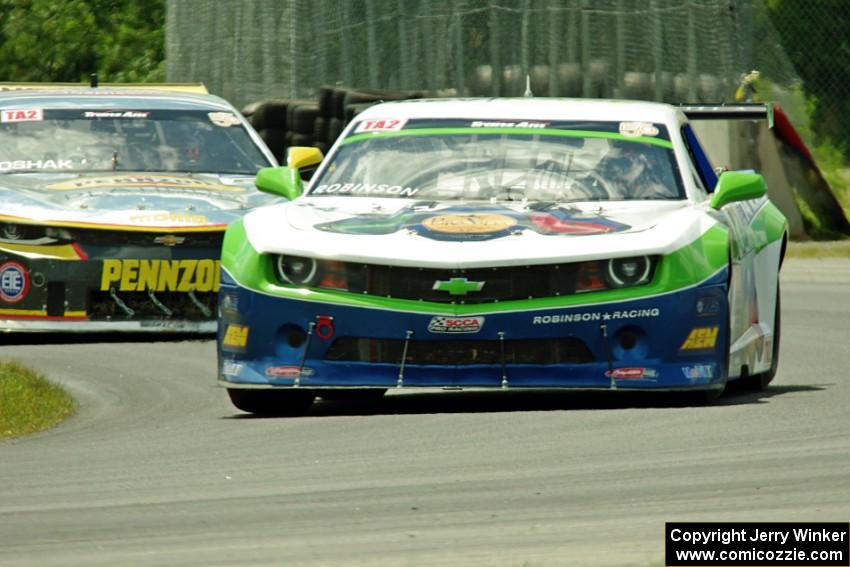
[(194, 88), (735, 111)]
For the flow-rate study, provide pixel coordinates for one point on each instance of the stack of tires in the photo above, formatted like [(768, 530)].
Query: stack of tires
[(295, 122)]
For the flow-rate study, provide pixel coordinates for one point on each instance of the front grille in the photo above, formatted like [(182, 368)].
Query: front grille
[(103, 307), (500, 284), (124, 238), (460, 352)]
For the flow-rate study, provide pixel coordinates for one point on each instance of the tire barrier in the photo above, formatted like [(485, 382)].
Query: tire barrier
[(318, 122)]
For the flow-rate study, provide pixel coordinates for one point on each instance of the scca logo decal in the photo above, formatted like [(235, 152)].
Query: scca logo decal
[(161, 275)]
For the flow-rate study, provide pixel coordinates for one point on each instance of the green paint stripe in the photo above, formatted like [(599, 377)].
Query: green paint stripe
[(532, 131), (769, 226), (686, 267)]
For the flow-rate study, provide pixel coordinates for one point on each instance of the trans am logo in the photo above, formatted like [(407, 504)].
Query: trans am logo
[(465, 223)]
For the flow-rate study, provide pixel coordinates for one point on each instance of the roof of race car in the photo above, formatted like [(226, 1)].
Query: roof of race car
[(528, 108), (111, 97)]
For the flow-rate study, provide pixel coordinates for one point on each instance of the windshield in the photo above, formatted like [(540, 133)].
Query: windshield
[(80, 140), (503, 161)]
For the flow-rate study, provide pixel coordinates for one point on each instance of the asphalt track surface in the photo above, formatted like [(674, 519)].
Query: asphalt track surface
[(157, 468)]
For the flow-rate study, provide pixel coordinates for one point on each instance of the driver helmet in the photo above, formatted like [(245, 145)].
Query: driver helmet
[(625, 164)]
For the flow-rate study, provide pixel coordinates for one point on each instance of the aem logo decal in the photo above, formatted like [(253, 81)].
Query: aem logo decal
[(452, 325), (161, 275), (235, 336), (701, 338), (14, 282)]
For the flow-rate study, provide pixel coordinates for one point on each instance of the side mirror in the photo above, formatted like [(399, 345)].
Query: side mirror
[(303, 156), (282, 181), (735, 186)]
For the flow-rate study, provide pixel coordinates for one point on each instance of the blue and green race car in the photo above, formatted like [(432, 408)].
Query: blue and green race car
[(505, 244)]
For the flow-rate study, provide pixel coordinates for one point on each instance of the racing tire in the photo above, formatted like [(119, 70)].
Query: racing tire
[(353, 394), (335, 128), (301, 117), (326, 102), (275, 139), (760, 381), (320, 129), (270, 114), (272, 402)]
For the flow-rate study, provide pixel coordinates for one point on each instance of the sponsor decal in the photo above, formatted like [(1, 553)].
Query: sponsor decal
[(223, 119), (634, 373), (115, 114), (169, 218), (554, 224), (235, 336), (637, 129), (384, 125), (22, 115), (169, 239), (377, 189), (324, 327), (699, 372), (708, 305), (173, 325), (452, 325), (36, 164), (469, 223), (229, 303), (701, 338), (288, 371), (457, 286), (231, 368), (14, 282), (118, 181), (596, 316), (160, 275), (522, 124)]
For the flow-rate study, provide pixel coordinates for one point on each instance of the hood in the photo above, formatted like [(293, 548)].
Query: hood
[(473, 234), (144, 200)]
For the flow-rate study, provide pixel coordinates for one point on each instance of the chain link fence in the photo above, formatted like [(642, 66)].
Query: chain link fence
[(671, 50), (667, 50)]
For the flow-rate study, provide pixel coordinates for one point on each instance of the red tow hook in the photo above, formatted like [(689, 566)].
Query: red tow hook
[(324, 327)]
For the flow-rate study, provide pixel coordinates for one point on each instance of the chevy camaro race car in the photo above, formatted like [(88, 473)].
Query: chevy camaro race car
[(502, 243), (113, 204)]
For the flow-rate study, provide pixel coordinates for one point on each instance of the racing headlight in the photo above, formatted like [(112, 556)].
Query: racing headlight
[(297, 270), (28, 233), (615, 273), (627, 272), (309, 272), (14, 231)]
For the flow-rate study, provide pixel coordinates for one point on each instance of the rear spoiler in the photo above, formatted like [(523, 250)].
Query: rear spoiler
[(735, 111), (195, 88)]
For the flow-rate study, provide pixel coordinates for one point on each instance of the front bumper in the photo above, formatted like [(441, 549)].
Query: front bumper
[(671, 341), (122, 289)]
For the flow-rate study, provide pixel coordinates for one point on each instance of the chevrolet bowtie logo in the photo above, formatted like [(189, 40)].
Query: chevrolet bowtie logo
[(458, 286), (169, 239)]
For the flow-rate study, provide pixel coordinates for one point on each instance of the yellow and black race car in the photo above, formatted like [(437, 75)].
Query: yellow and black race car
[(113, 203)]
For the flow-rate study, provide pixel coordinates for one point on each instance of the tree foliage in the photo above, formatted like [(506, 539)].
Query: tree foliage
[(67, 40), (816, 38)]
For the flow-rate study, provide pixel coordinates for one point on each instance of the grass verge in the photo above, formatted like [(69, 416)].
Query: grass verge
[(819, 249), (28, 402)]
